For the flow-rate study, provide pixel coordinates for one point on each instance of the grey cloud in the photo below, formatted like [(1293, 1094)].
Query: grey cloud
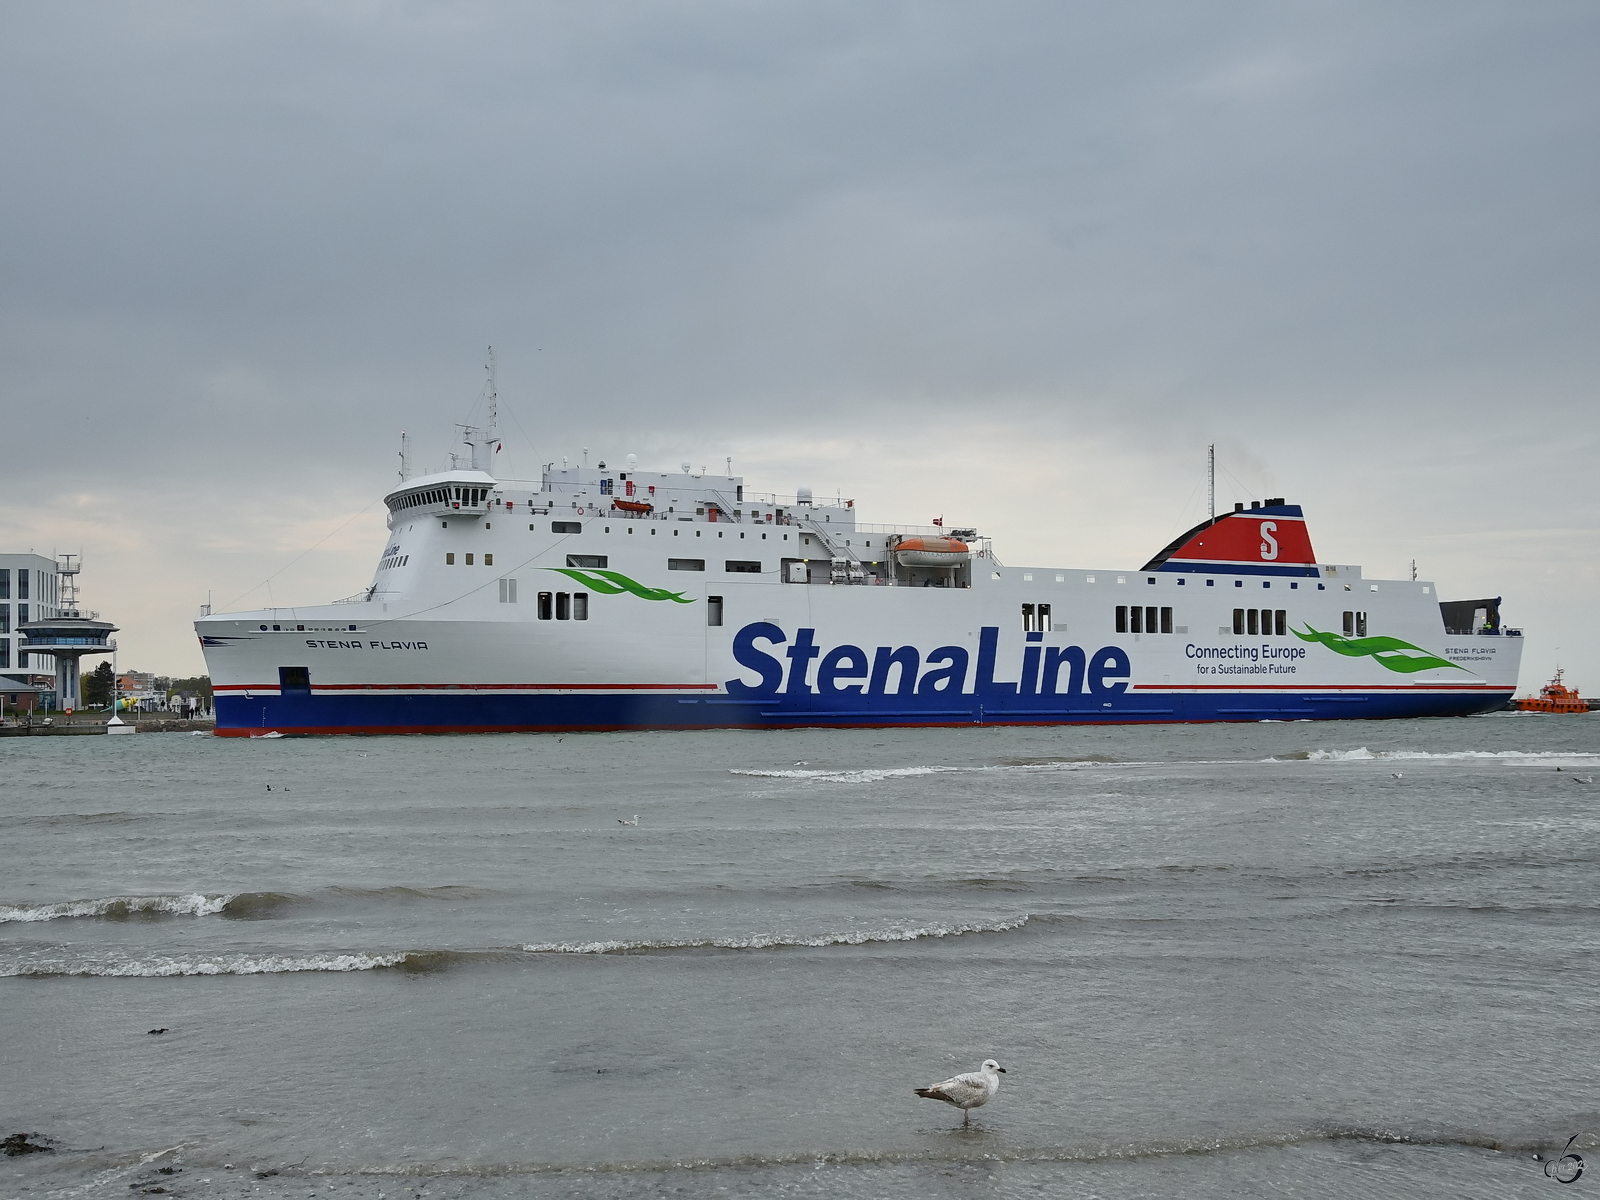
[(247, 244)]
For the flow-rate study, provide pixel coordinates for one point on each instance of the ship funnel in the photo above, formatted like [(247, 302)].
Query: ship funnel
[(1268, 539)]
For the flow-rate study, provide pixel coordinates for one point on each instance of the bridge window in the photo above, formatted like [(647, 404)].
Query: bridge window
[(1152, 622), (686, 564), (1136, 619), (5, 583), (1166, 620), (543, 608), (590, 561), (713, 610), (1122, 618), (580, 606), (1280, 622), (563, 606)]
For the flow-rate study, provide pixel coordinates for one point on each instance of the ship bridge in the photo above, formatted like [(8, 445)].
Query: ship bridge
[(445, 494)]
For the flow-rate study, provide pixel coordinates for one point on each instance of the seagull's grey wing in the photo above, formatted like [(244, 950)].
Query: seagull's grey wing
[(964, 1091)]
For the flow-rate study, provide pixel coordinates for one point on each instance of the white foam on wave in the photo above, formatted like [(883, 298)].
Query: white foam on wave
[(870, 775), (228, 964), (1362, 754), (761, 941), (193, 904)]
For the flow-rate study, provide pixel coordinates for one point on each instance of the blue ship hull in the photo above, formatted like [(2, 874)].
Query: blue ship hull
[(239, 716)]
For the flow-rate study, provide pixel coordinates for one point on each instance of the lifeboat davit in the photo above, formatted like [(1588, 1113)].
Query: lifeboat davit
[(633, 506), (931, 552), (1553, 697)]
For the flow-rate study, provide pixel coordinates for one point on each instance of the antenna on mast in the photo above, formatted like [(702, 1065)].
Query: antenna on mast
[(1211, 477), (494, 402), (405, 456)]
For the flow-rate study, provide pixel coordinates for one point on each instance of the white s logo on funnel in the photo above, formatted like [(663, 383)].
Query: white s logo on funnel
[(1269, 544)]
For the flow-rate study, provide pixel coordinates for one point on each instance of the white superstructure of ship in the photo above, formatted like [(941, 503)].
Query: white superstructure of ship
[(609, 597)]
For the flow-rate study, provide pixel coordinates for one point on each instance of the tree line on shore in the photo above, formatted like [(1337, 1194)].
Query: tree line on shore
[(96, 686)]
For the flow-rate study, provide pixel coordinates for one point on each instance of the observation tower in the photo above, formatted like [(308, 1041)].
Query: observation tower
[(68, 636)]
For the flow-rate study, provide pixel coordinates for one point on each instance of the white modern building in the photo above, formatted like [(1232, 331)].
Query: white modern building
[(64, 633), (30, 589)]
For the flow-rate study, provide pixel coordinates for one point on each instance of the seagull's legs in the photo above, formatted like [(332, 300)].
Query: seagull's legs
[(966, 1117)]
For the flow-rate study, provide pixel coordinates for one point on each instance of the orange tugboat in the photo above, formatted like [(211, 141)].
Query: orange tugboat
[(1553, 697)]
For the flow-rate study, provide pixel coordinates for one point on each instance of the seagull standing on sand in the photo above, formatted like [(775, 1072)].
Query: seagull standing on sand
[(969, 1091)]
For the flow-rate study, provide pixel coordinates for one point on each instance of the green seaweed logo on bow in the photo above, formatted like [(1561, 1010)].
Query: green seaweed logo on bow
[(613, 583), (1388, 652)]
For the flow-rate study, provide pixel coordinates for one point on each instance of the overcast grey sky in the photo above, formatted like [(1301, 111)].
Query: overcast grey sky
[(1013, 262)]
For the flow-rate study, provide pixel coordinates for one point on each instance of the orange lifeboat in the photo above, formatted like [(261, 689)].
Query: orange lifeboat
[(1553, 697), (633, 506), (931, 552)]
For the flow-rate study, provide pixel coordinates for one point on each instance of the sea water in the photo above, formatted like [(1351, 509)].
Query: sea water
[(1309, 959)]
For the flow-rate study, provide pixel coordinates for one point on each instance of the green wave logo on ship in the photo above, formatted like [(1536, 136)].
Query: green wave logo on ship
[(614, 583), (1388, 652)]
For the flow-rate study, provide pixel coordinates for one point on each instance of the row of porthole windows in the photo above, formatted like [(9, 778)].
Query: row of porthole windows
[(450, 559), (313, 629), (577, 527), (1294, 585), (1134, 619), (1261, 621)]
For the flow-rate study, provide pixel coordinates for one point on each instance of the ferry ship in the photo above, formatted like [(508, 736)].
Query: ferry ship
[(610, 597)]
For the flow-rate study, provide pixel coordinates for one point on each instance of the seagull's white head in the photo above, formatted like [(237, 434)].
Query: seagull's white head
[(989, 1064)]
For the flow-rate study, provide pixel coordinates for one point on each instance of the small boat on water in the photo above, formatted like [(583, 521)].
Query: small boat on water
[(1553, 697)]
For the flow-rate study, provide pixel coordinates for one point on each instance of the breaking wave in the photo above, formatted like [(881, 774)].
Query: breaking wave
[(238, 906), (1362, 754), (854, 937), (984, 1154), (870, 775), (221, 964), (192, 904), (53, 964)]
